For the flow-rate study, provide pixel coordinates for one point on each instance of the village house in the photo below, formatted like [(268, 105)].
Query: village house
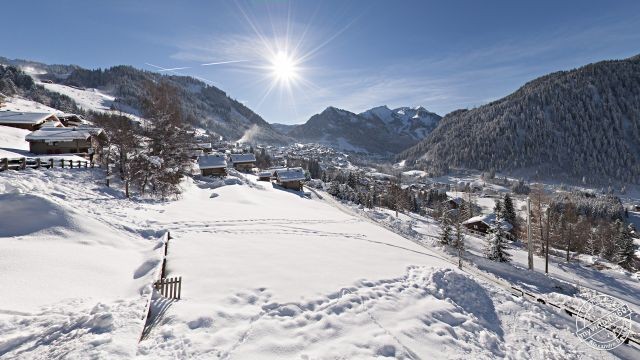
[(27, 120), (71, 120), (65, 140), (290, 178), (265, 175), (212, 165), (453, 203), (243, 162), (483, 223)]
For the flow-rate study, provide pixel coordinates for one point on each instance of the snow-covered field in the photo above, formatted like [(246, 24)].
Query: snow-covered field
[(267, 274)]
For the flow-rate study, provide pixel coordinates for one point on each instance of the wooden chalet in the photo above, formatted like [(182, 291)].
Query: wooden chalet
[(453, 203), (212, 165), (27, 120), (483, 223), (290, 178), (243, 162), (65, 140), (265, 175)]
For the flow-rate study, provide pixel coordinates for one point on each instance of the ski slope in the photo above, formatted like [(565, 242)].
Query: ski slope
[(267, 274)]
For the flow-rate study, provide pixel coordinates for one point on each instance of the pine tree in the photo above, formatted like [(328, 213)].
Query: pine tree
[(497, 208), (624, 248), (445, 232), (591, 247), (508, 210), (459, 241), (496, 246)]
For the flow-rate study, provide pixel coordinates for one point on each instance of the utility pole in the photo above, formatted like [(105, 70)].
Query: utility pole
[(529, 243)]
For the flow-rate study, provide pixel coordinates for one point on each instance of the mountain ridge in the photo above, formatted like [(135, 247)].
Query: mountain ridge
[(378, 130)]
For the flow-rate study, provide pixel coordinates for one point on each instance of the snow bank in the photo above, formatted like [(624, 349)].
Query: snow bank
[(24, 214)]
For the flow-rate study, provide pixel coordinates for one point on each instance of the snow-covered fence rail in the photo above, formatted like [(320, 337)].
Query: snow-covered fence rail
[(22, 163), (159, 275)]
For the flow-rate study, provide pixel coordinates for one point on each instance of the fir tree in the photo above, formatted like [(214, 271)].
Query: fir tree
[(496, 246), (508, 210), (459, 241), (624, 248), (445, 232), (497, 208)]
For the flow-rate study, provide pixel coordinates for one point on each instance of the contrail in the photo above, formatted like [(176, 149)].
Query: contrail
[(223, 62), (166, 69)]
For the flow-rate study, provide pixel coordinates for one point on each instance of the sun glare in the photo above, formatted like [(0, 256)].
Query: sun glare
[(284, 67)]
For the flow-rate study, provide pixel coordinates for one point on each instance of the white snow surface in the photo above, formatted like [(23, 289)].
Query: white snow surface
[(267, 274)]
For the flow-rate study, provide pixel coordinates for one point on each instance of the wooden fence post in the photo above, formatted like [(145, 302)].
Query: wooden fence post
[(5, 163), (50, 163), (62, 163), (179, 286), (71, 164), (23, 163), (85, 165), (37, 163)]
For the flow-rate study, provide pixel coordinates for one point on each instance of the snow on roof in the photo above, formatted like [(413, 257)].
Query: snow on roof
[(63, 133), (489, 220), (242, 158), (290, 174), (265, 173), (215, 161), (16, 117)]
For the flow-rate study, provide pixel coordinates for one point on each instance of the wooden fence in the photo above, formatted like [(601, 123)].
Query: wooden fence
[(169, 288), (41, 163)]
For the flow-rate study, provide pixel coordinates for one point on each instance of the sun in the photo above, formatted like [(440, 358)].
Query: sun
[(284, 67)]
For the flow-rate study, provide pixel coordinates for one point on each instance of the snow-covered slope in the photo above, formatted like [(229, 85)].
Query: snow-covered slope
[(74, 285), (94, 100), (267, 274)]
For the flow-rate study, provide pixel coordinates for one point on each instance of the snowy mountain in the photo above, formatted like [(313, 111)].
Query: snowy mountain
[(379, 130), (570, 124), (415, 122), (124, 88)]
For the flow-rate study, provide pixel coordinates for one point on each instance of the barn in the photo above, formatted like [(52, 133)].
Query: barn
[(212, 165), (290, 178), (27, 120)]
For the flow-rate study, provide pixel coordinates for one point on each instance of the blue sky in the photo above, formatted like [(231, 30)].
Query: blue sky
[(355, 55)]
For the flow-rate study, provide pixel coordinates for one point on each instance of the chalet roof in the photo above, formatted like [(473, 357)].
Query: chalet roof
[(215, 161), (265, 173), (290, 174), (489, 220), (27, 118), (242, 158), (63, 133)]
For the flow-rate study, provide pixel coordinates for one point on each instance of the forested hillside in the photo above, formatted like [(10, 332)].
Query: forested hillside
[(202, 105), (583, 123), (14, 81)]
